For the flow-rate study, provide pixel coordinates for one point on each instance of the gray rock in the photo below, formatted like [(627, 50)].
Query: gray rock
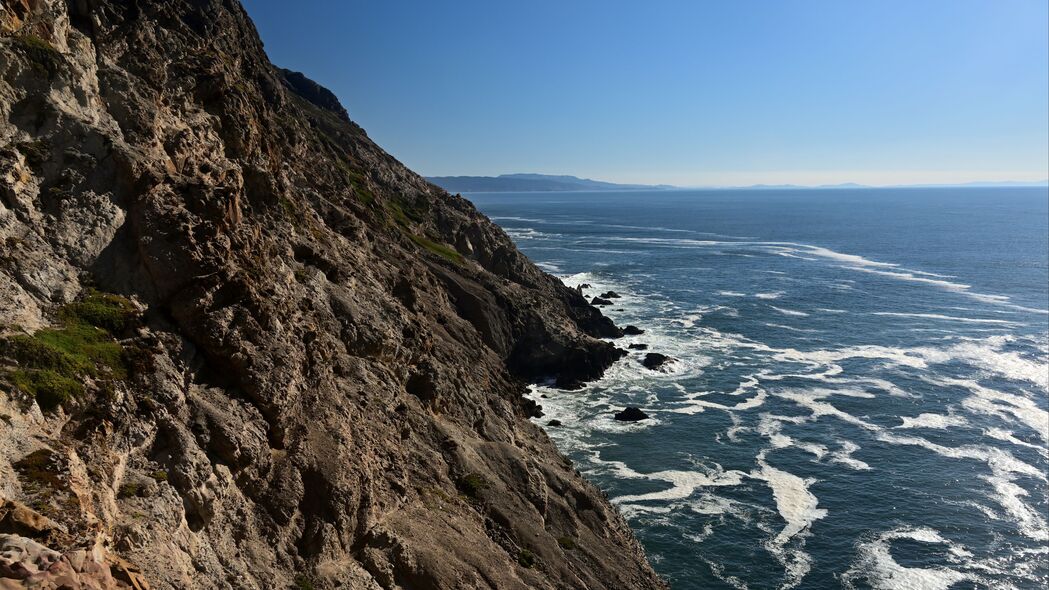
[(631, 414), (655, 360), (329, 344)]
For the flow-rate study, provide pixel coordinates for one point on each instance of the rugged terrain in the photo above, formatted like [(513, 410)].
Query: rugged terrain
[(243, 347)]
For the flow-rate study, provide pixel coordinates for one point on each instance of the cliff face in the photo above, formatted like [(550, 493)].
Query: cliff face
[(243, 347)]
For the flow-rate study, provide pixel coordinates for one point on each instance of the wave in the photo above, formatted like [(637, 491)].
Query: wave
[(790, 312), (849, 261), (513, 218), (876, 565), (937, 421), (936, 316)]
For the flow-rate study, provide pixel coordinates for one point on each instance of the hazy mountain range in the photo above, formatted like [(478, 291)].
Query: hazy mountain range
[(564, 183), (531, 183)]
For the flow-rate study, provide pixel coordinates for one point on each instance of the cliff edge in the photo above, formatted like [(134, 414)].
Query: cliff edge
[(241, 346)]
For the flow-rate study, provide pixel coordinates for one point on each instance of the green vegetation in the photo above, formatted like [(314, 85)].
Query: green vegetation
[(50, 389), (52, 362), (567, 543), (39, 468), (129, 490), (303, 583), (71, 351), (526, 558), (398, 214), (33, 44), (45, 58), (472, 484), (159, 476), (441, 250), (112, 313)]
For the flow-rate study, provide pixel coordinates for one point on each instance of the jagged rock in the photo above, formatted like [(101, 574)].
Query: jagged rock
[(655, 360), (24, 563), (610, 295), (633, 331), (631, 414), (328, 341), (638, 346), (600, 301), (554, 423)]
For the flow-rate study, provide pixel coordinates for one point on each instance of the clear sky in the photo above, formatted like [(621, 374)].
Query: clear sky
[(686, 92)]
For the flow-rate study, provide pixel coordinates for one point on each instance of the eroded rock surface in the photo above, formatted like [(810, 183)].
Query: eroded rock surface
[(316, 377)]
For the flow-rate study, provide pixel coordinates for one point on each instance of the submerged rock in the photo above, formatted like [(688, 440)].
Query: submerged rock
[(631, 414), (638, 346), (655, 360), (554, 423)]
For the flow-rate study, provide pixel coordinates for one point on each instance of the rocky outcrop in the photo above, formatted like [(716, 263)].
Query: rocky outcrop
[(630, 414), (655, 360), (241, 346)]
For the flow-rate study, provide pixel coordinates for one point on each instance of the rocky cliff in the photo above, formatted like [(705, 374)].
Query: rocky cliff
[(241, 346)]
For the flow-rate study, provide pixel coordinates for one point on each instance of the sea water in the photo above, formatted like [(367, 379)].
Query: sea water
[(858, 396)]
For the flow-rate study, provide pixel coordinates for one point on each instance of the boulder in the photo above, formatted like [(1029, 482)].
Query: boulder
[(554, 423), (600, 301), (638, 346), (610, 295), (631, 414), (654, 360), (633, 331)]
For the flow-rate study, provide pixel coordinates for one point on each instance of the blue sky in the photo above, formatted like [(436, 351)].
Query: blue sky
[(686, 92)]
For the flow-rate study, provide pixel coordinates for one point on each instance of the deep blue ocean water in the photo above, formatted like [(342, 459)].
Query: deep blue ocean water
[(859, 392)]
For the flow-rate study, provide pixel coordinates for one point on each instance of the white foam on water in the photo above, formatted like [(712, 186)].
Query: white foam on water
[(875, 564), (799, 508), (694, 403), (683, 483), (938, 421), (849, 261), (512, 218), (829, 310), (1009, 407), (1009, 437), (1011, 498), (680, 334), (528, 233), (548, 266), (1004, 469), (719, 572), (790, 312), (937, 316), (732, 294), (791, 328), (772, 295), (844, 456), (794, 502)]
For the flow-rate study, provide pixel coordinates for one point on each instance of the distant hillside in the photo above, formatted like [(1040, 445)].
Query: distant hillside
[(530, 183)]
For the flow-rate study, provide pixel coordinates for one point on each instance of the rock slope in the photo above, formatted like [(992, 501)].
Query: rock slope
[(243, 347)]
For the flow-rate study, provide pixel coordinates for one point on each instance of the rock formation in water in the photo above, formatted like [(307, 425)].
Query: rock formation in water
[(243, 347)]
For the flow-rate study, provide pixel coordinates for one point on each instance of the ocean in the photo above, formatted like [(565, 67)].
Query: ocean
[(858, 396)]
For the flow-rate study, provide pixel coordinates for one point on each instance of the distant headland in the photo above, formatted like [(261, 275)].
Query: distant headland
[(532, 183), (514, 183)]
